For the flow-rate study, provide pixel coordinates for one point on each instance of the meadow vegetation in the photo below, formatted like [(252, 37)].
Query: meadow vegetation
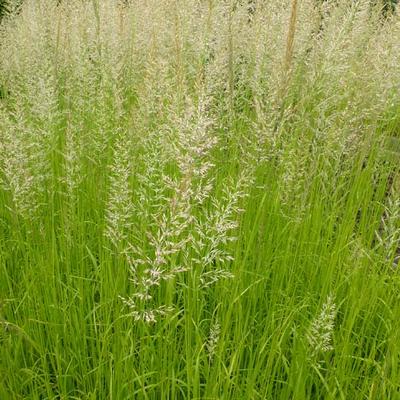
[(199, 199)]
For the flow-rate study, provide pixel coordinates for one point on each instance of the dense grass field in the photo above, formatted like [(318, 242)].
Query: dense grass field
[(199, 199)]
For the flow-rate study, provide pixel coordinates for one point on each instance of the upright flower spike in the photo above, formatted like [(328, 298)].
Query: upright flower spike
[(213, 339), (320, 333), (120, 207), (183, 234)]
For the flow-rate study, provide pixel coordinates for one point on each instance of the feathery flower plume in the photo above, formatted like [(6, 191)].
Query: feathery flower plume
[(170, 242), (213, 339), (389, 233), (321, 330), (119, 207), (184, 235)]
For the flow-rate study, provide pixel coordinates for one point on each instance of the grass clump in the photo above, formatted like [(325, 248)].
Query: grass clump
[(199, 200)]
